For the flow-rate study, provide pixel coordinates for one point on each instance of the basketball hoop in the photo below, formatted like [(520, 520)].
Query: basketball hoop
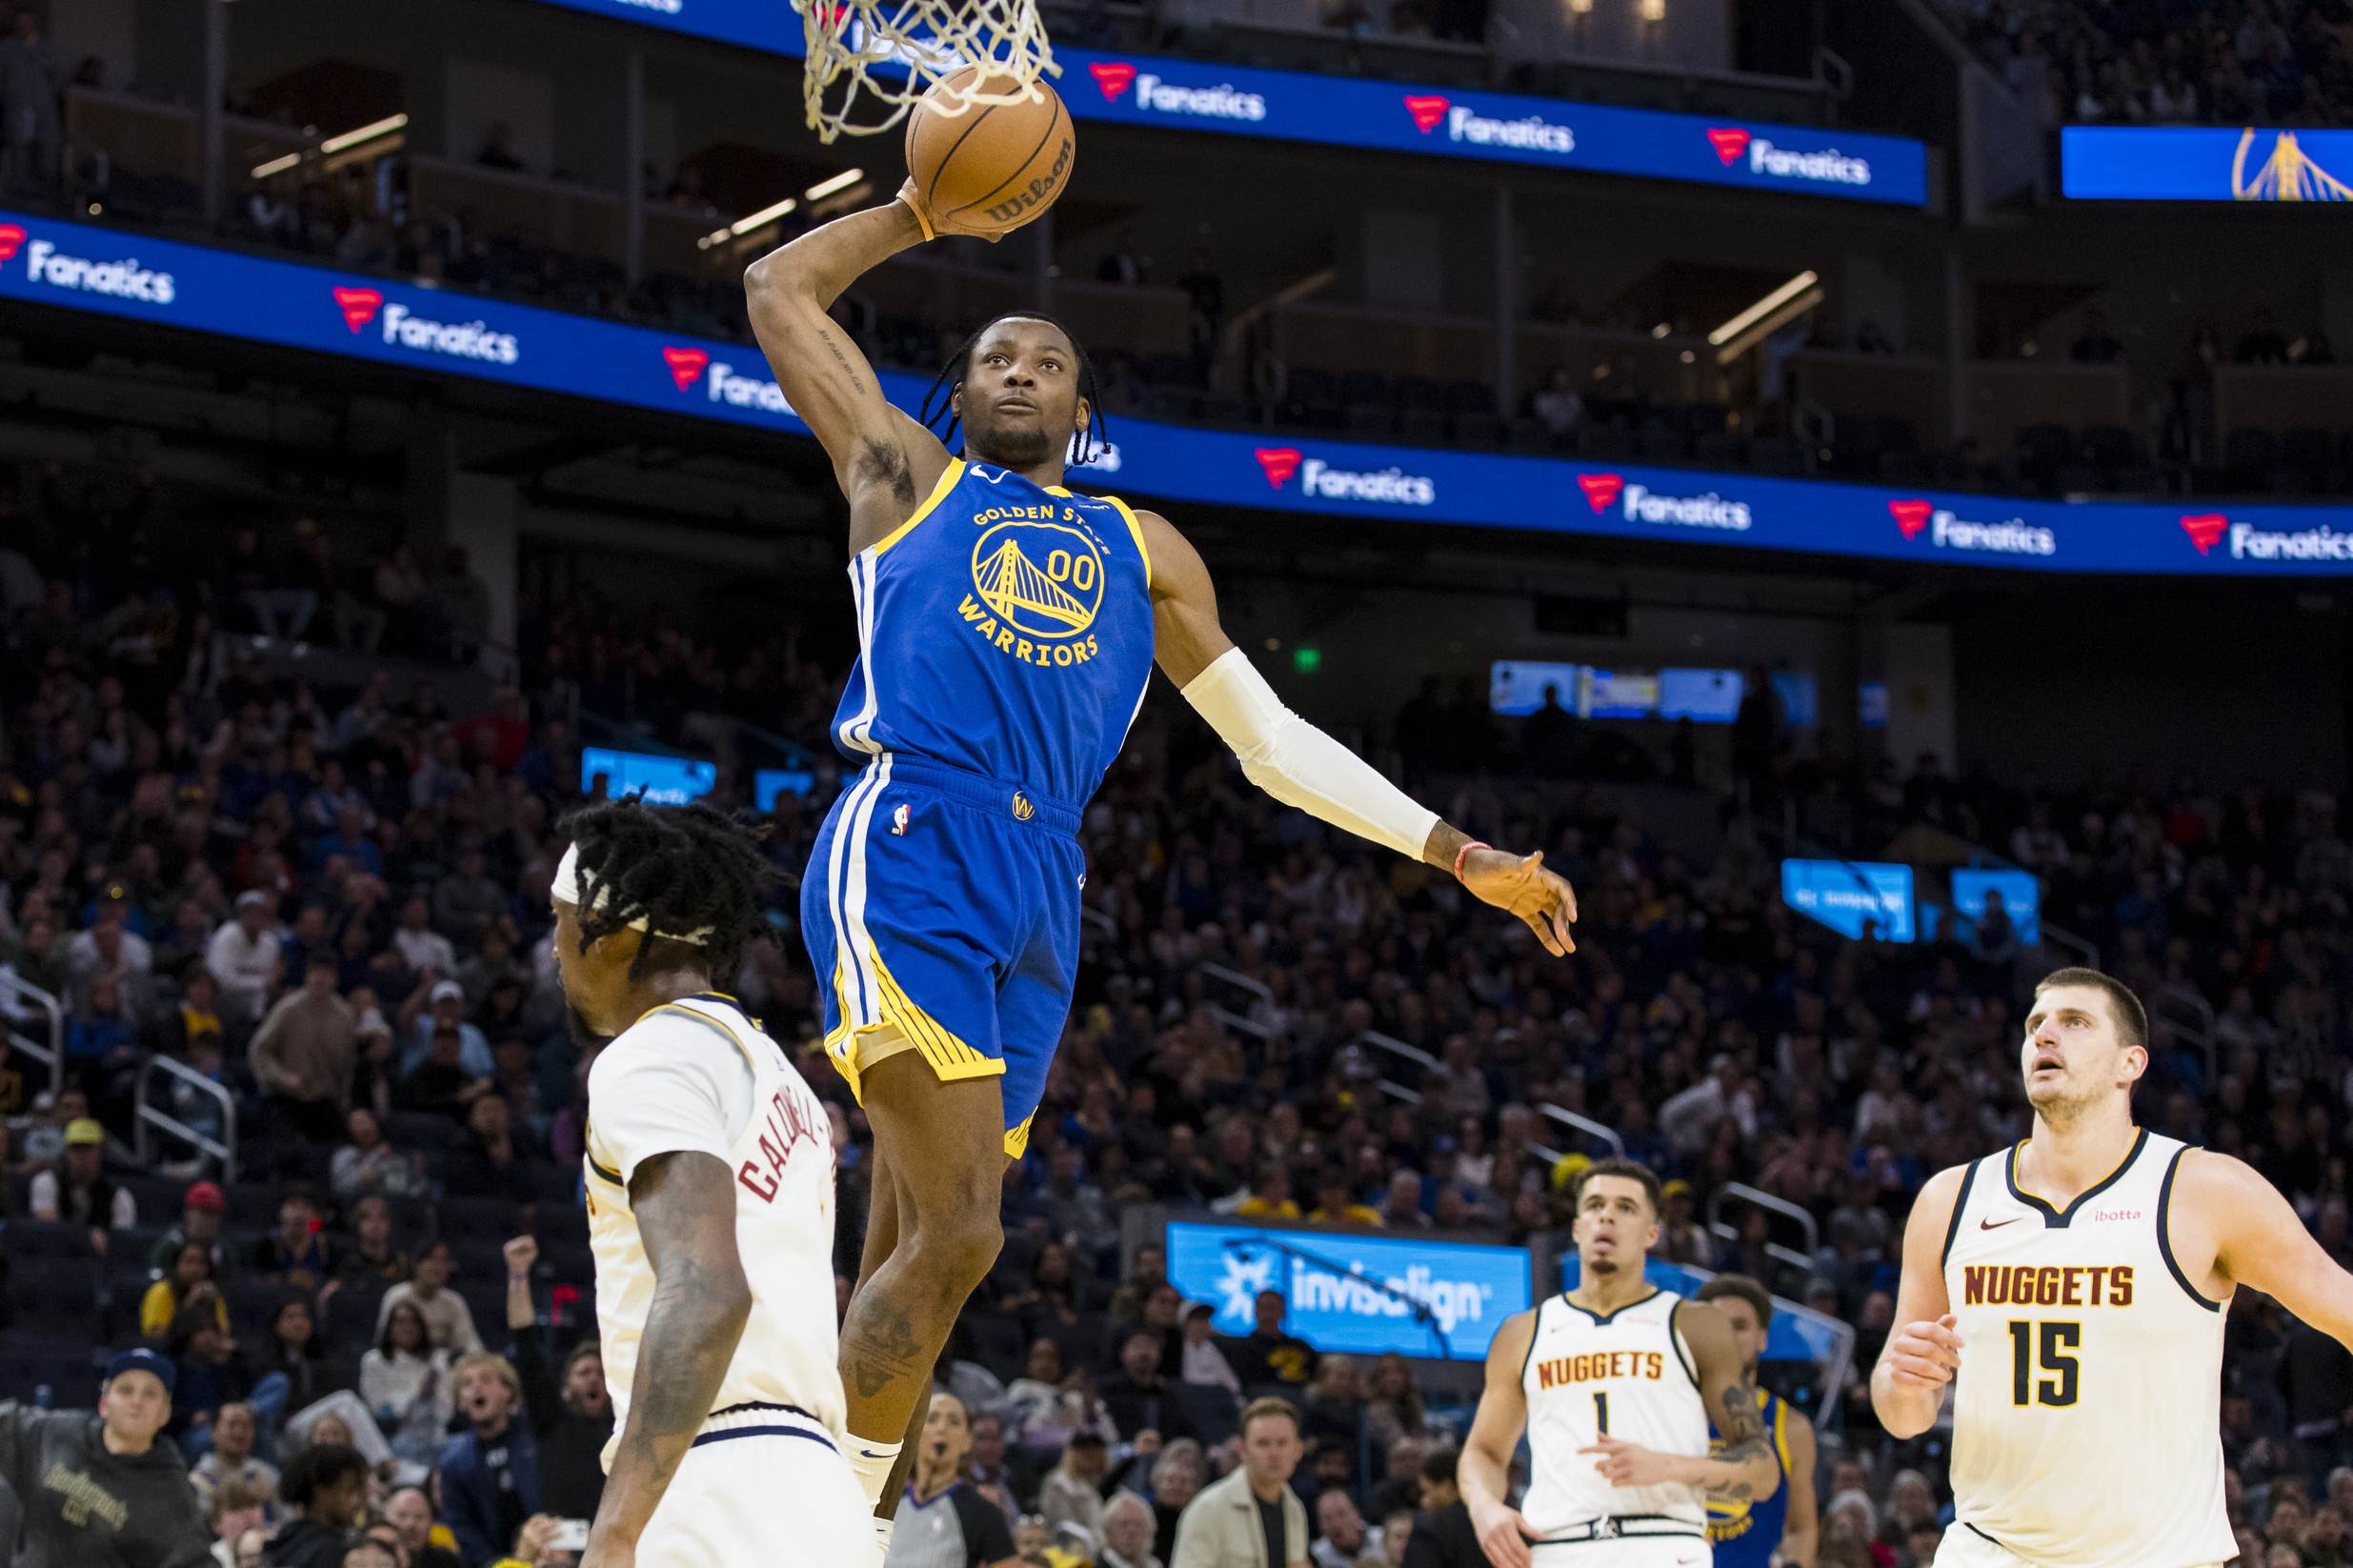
[(886, 54)]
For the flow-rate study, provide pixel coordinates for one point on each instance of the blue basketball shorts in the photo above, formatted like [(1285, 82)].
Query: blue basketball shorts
[(944, 905)]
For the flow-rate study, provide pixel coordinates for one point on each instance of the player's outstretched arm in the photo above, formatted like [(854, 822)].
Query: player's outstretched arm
[(1301, 766), (1745, 1469), (685, 1204), (1907, 1387), (880, 455), (2223, 1210), (1485, 1469)]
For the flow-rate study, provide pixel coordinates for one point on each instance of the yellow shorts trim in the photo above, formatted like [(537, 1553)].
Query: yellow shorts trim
[(950, 1057), (1017, 1138)]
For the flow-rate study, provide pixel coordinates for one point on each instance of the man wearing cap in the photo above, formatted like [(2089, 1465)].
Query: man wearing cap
[(202, 1212), (244, 958), (445, 1009), (83, 1194), (96, 1490), (303, 1054)]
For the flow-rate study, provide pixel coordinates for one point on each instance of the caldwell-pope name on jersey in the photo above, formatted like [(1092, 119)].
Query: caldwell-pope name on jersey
[(1564, 1370), (1037, 582), (2046, 1285)]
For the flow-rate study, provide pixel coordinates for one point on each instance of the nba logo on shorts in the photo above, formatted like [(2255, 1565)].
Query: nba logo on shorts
[(898, 818)]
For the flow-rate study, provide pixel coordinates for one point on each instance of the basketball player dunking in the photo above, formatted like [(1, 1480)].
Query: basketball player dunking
[(1615, 1383), (1007, 629), (2072, 1289)]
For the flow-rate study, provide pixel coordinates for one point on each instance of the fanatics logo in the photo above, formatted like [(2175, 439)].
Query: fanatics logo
[(1428, 110), (2206, 530), (12, 236), (359, 305), (1911, 516), (1280, 464), (1729, 141), (1602, 490), (685, 365), (1112, 76)]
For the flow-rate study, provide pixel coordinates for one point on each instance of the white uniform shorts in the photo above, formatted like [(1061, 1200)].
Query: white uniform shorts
[(761, 1486), (1964, 1548), (1627, 1552)]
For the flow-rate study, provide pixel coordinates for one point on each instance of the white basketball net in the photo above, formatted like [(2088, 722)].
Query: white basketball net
[(891, 52)]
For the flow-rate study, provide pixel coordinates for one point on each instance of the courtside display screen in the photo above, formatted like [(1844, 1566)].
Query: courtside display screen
[(1846, 895), (420, 330), (1330, 1283), (2021, 899), (667, 780), (2198, 163), (1517, 688), (1177, 95)]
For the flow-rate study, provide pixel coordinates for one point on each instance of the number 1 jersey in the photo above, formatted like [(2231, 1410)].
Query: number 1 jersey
[(2087, 1410), (1628, 1374)]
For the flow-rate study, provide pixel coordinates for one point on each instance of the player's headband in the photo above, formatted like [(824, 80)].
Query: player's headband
[(565, 888)]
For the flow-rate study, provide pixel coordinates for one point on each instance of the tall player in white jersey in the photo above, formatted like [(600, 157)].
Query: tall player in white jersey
[(1614, 1383), (710, 1172), (2072, 1289)]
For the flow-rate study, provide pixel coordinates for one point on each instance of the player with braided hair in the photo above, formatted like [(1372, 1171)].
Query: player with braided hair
[(710, 1174), (1007, 627)]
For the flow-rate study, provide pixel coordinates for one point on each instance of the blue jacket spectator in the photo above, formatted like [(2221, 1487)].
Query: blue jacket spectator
[(490, 1475)]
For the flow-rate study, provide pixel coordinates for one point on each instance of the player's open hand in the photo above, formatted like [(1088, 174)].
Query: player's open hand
[(1924, 1355), (1521, 884), (1630, 1464), (1502, 1534), (939, 226)]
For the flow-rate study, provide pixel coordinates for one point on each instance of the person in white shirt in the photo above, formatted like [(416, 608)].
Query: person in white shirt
[(710, 1172), (244, 957), (1204, 1364), (421, 947)]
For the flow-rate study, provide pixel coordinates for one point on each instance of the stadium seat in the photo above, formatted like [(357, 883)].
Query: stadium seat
[(65, 1366), (486, 1218), (351, 1317), (45, 1241), (419, 1130)]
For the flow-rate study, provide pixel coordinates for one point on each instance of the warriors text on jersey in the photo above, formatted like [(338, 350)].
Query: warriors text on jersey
[(1745, 1534), (777, 1141), (2087, 1410), (1630, 1374)]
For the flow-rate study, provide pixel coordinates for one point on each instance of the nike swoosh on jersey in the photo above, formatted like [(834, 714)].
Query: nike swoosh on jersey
[(1997, 1224)]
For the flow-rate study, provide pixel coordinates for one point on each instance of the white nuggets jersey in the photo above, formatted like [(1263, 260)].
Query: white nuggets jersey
[(1630, 1374), (783, 1164), (2087, 1410)]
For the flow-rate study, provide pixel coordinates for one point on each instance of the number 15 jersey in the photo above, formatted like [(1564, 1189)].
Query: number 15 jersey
[(2087, 1410)]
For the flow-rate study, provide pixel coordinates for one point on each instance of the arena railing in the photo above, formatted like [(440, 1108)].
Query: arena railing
[(16, 992), (1587, 1125), (1757, 1199), (2192, 1018), (2067, 941), (223, 1148)]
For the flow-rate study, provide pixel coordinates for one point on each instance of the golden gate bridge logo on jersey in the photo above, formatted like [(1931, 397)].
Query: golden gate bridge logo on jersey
[(2287, 173), (1038, 584)]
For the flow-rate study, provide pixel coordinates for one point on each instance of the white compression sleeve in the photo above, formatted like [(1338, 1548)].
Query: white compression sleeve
[(1299, 764)]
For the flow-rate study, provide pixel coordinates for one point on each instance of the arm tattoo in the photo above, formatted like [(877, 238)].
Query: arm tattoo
[(1744, 1437), (843, 361)]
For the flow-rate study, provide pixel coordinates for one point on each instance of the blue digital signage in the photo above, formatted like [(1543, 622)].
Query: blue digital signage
[(1354, 1294), (1847, 896), (2200, 163), (1178, 94), (2022, 898), (666, 780), (421, 329)]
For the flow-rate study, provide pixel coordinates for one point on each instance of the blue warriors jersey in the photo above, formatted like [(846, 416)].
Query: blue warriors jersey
[(1005, 629), (1745, 1533)]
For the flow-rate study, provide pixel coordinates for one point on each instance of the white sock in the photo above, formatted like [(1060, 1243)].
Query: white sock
[(882, 1535), (872, 1463)]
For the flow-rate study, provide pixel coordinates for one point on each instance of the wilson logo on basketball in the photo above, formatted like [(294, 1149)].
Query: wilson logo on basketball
[(1600, 490), (1911, 516), (1428, 110), (2205, 530), (359, 305), (685, 365), (12, 236), (1039, 192), (1112, 76), (1729, 141), (1280, 464)]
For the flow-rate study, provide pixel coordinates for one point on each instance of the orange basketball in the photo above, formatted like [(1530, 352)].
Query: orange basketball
[(995, 165)]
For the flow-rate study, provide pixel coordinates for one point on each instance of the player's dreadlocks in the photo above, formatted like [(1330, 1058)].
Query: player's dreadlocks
[(1085, 445), (681, 868)]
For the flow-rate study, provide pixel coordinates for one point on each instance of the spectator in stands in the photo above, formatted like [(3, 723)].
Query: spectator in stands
[(327, 1488), (1127, 1533), (1442, 1535), (486, 1164), (490, 1474), (289, 1367), (202, 1210), (231, 1460), (1336, 1203), (303, 1054), (296, 1254), (404, 1382), (448, 1322), (156, 1521), (1138, 1397), (1267, 1353), (1252, 1515), (440, 1084), (466, 901), (235, 1510), (1341, 1535), (942, 1521), (84, 1195), (370, 1262), (367, 1164), (245, 961), (1204, 1360), (570, 1420), (410, 1512), (1177, 1475), (446, 1010), (209, 1376), (1073, 1492), (190, 1282)]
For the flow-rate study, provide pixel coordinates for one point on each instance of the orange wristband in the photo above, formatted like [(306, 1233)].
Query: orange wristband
[(1463, 853)]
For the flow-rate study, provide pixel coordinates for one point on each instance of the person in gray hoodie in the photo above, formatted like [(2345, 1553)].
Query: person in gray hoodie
[(97, 1489)]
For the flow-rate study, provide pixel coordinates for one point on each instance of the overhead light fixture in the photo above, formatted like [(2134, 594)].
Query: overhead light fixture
[(743, 225), (1581, 8), (367, 133), (842, 181), (1653, 11), (276, 166), (1767, 316)]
